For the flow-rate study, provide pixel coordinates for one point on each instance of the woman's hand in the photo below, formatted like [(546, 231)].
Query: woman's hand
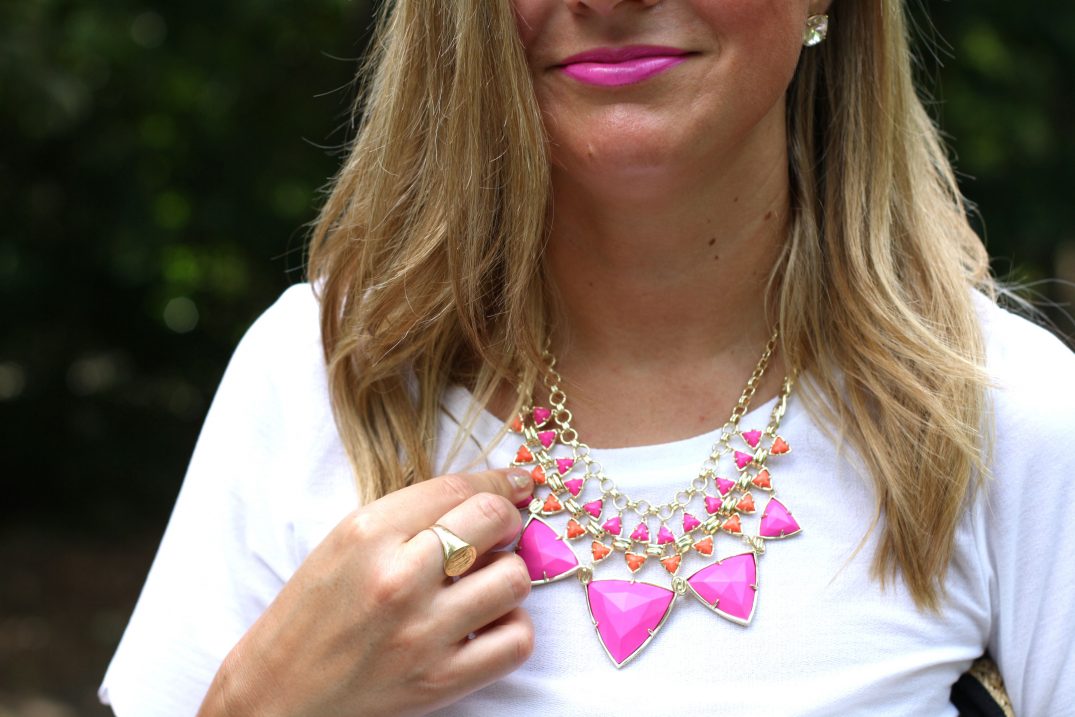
[(369, 624)]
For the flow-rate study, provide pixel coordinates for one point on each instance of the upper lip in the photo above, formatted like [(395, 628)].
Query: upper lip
[(623, 54)]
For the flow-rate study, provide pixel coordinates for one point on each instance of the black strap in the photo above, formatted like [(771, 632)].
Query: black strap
[(972, 699)]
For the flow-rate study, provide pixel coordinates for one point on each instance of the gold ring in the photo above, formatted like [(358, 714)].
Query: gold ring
[(459, 555)]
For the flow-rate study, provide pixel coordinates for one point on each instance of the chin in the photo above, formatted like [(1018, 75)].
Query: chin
[(631, 149)]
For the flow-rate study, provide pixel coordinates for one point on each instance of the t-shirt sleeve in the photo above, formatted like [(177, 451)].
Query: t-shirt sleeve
[(1031, 535), (226, 552)]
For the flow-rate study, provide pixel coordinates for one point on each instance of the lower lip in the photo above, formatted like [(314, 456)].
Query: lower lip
[(616, 74)]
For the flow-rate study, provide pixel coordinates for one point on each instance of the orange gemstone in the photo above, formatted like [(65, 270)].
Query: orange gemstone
[(538, 474), (671, 563), (552, 505), (732, 525), (705, 545), (600, 550), (517, 424), (634, 561), (746, 504), (574, 530), (524, 455), (763, 480), (779, 446)]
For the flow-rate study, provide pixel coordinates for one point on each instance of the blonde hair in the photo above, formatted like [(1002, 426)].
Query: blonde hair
[(428, 255)]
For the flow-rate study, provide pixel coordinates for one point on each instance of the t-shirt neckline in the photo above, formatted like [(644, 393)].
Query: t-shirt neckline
[(459, 400)]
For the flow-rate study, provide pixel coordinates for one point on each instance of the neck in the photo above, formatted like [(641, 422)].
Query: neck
[(662, 279), (683, 267)]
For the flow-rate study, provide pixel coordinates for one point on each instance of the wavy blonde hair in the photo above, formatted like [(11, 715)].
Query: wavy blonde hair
[(428, 257)]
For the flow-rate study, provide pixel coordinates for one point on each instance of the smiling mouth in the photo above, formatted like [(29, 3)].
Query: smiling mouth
[(618, 66)]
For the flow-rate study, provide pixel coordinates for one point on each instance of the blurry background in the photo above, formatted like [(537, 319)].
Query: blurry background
[(158, 164)]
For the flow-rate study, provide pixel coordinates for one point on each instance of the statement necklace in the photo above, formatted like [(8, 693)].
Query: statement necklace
[(628, 613)]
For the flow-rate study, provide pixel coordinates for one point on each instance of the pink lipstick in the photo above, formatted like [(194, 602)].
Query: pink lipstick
[(616, 66)]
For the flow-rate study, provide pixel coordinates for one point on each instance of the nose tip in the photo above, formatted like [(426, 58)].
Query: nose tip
[(603, 7)]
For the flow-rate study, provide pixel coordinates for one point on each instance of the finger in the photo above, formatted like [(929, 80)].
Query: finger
[(497, 650), (485, 520), (471, 604), (485, 559), (416, 507)]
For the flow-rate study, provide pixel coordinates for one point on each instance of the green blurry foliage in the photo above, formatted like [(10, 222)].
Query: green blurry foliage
[(159, 162), (1007, 101)]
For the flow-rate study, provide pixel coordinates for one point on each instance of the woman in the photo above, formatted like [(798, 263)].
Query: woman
[(603, 217)]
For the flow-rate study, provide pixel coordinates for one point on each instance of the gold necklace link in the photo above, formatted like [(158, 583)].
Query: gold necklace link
[(562, 417), (751, 388)]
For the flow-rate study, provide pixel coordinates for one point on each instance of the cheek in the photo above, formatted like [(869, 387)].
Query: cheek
[(760, 40), (764, 27), (768, 18), (530, 16)]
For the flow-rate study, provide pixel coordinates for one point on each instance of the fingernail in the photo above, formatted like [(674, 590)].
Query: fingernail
[(520, 478)]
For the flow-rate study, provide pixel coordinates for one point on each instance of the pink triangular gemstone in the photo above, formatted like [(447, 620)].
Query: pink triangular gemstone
[(742, 460), (725, 486), (641, 533), (777, 521), (627, 614), (547, 438), (664, 536), (728, 586), (613, 525), (593, 508), (712, 504), (563, 465), (753, 438), (541, 414), (546, 556), (574, 486), (689, 522)]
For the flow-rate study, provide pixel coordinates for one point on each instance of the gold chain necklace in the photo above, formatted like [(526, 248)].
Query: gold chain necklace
[(628, 613)]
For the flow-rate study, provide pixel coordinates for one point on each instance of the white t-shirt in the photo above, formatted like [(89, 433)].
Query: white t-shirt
[(269, 479)]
